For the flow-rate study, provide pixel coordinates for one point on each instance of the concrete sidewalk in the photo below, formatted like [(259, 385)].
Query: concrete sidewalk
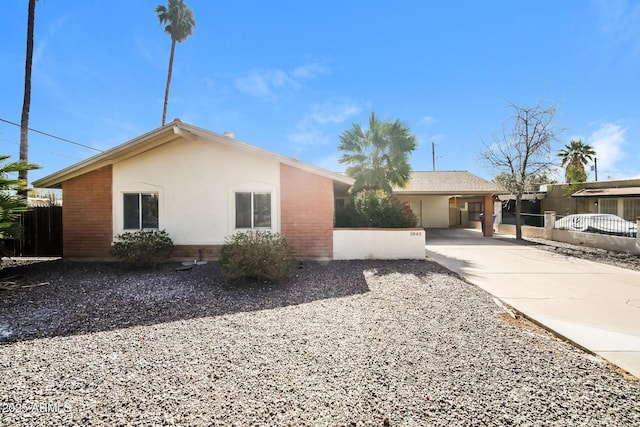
[(595, 305)]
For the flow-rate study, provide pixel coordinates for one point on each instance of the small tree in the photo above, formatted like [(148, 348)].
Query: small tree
[(377, 209), (574, 157), (378, 157), (523, 151), (11, 205)]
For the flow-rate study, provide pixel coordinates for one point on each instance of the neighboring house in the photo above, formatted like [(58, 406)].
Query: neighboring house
[(200, 187), (621, 198), (442, 199)]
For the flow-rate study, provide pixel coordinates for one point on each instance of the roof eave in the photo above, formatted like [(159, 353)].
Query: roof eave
[(172, 131)]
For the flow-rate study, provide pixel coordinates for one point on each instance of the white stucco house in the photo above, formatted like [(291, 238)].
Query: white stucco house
[(200, 187)]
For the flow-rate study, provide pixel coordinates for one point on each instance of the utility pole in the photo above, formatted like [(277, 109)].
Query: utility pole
[(595, 167), (433, 156)]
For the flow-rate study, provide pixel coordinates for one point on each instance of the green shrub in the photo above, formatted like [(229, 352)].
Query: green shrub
[(376, 209), (256, 256), (142, 248)]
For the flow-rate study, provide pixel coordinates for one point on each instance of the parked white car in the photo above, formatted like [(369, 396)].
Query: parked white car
[(598, 223)]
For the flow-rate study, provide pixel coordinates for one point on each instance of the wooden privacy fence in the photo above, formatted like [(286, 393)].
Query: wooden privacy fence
[(41, 234)]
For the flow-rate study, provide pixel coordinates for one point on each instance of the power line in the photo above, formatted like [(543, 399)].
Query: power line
[(53, 136), (43, 151)]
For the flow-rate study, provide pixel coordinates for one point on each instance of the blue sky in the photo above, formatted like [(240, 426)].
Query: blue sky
[(290, 76)]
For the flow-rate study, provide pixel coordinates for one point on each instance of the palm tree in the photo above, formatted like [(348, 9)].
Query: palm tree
[(574, 157), (378, 157), (26, 104), (179, 25), (11, 205)]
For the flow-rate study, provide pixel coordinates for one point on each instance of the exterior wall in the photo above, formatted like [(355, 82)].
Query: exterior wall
[(432, 211), (379, 243), (307, 212), (86, 215), (196, 181), (527, 231), (594, 240), (195, 252)]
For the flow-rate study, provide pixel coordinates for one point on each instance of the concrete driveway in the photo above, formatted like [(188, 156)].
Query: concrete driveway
[(597, 306)]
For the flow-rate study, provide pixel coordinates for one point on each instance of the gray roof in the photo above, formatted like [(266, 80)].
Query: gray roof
[(448, 182)]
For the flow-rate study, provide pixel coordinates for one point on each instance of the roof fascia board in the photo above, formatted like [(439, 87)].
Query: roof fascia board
[(121, 152)]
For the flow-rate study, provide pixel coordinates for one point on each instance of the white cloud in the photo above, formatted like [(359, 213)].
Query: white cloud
[(42, 42), (427, 120), (310, 129), (330, 162), (267, 84), (333, 113), (264, 84), (305, 136), (608, 142), (619, 20), (309, 71)]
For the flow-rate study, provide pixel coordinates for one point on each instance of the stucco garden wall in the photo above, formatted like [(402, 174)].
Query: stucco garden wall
[(378, 243)]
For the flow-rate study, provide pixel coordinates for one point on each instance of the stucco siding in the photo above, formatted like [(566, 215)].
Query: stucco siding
[(307, 212), (432, 210), (196, 181)]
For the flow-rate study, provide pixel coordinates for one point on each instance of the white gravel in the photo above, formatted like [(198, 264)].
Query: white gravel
[(402, 343)]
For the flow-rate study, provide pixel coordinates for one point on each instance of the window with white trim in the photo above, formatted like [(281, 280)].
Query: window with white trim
[(253, 209), (140, 211), (631, 209)]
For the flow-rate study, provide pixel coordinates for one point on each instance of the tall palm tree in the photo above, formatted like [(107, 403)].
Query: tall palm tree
[(26, 103), (574, 157), (179, 25), (378, 157)]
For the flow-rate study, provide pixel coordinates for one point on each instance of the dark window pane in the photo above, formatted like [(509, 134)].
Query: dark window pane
[(243, 210), (149, 211), (131, 209), (262, 210)]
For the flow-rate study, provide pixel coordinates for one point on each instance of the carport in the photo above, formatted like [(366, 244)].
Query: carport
[(450, 199)]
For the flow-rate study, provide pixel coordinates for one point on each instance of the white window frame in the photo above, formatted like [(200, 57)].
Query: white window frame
[(252, 208), (140, 223)]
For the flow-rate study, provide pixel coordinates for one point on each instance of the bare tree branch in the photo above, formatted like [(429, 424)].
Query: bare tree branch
[(523, 151)]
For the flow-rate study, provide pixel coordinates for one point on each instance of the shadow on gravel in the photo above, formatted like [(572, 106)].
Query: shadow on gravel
[(78, 298)]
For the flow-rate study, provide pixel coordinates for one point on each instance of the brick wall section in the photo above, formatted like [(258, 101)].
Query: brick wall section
[(306, 209), (86, 215)]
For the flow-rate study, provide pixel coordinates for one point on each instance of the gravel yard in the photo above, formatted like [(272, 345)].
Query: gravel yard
[(402, 343)]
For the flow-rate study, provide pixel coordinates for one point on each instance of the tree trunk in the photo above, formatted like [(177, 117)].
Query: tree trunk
[(166, 91), (518, 217), (26, 104)]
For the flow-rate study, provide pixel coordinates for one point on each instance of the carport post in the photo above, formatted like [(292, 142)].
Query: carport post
[(549, 223), (638, 234), (488, 216)]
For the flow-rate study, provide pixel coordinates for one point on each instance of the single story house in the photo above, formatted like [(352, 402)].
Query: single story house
[(200, 187), (620, 197), (443, 199)]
